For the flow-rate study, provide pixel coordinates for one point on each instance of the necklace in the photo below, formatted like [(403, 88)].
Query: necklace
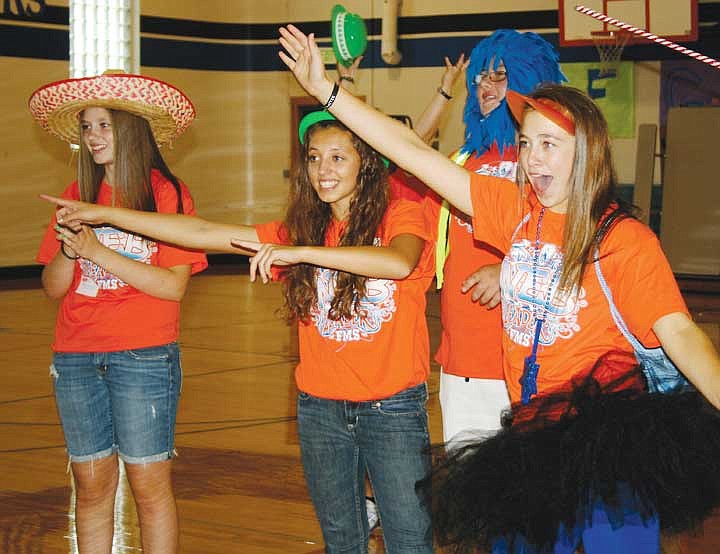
[(531, 367)]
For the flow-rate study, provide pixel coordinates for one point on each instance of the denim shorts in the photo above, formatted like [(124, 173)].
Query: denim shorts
[(123, 402)]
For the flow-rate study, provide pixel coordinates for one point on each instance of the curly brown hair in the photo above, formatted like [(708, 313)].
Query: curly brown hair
[(307, 220)]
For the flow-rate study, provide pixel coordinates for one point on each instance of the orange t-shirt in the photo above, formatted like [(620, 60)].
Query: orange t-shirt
[(102, 313), (385, 349), (471, 339), (579, 329), (404, 185)]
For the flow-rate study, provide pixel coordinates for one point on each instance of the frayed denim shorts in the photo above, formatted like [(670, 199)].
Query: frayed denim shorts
[(123, 402)]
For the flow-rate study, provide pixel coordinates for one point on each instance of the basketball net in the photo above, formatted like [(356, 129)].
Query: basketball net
[(610, 45)]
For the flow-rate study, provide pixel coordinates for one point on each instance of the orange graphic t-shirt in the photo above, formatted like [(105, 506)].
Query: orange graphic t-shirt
[(578, 328), (102, 313), (385, 348)]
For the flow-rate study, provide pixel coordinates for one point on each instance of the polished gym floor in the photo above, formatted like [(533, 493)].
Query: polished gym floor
[(238, 477)]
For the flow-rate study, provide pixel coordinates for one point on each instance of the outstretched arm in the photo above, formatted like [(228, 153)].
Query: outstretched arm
[(429, 120), (386, 135), (692, 351), (182, 230), (394, 261)]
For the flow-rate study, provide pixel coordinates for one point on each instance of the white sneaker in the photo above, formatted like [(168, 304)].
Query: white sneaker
[(372, 513)]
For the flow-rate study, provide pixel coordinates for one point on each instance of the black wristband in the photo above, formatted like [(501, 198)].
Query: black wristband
[(347, 78), (444, 94), (68, 256), (333, 95)]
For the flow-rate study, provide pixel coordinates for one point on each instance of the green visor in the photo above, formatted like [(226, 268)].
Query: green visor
[(316, 117)]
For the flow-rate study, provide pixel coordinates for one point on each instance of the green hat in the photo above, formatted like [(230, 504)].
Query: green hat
[(316, 117), (311, 119), (349, 35)]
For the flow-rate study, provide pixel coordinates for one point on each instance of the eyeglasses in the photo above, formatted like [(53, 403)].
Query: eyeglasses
[(494, 76)]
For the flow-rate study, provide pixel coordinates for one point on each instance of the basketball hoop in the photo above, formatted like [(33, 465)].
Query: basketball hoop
[(610, 45)]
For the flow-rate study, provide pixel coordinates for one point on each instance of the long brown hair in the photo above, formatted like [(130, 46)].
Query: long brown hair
[(135, 155), (307, 221), (593, 182)]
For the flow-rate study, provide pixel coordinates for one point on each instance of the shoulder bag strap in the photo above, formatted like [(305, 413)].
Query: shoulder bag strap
[(603, 230)]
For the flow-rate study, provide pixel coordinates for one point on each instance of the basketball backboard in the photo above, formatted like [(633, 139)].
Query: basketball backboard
[(675, 20)]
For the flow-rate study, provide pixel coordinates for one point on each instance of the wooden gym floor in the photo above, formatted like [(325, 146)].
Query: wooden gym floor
[(238, 477)]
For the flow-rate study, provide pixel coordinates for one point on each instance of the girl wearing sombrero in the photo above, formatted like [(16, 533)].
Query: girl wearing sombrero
[(116, 363)]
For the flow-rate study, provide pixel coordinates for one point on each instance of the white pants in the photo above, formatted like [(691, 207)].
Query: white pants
[(471, 408)]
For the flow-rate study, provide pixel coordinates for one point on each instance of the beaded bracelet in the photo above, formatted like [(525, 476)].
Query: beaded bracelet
[(347, 78)]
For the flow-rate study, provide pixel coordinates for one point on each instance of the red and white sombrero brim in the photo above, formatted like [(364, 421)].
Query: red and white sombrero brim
[(56, 106)]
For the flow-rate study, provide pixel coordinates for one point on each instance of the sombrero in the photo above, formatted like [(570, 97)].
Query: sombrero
[(56, 106), (349, 35), (316, 117)]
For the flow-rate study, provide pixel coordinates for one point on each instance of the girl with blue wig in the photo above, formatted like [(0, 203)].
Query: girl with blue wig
[(528, 60), (472, 387)]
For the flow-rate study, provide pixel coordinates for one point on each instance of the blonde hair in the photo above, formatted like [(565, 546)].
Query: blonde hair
[(593, 181)]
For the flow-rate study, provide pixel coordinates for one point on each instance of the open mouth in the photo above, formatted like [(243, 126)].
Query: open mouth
[(541, 182)]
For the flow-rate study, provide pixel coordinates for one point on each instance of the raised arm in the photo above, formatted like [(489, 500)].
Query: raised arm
[(386, 135), (182, 230), (692, 351), (429, 120), (347, 75), (394, 261)]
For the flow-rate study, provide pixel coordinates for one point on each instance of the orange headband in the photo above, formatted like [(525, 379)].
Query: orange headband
[(555, 112)]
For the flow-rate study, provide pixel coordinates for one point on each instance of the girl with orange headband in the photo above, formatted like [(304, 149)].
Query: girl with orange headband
[(575, 259)]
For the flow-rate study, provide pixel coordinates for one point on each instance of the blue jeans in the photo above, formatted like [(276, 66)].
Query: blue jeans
[(122, 401), (389, 438), (610, 530)]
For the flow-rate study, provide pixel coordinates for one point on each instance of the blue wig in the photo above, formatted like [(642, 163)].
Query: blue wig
[(529, 61)]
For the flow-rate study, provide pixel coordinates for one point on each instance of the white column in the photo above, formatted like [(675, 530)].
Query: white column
[(104, 34)]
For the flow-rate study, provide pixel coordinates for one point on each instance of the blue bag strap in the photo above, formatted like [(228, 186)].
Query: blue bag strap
[(661, 374), (602, 231), (617, 318)]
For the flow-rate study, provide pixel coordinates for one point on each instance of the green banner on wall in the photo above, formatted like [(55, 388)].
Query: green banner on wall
[(615, 95)]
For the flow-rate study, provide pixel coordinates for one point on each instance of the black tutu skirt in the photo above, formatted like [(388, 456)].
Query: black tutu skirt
[(557, 455)]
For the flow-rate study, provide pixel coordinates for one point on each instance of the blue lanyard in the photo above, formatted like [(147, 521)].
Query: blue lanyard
[(531, 367)]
